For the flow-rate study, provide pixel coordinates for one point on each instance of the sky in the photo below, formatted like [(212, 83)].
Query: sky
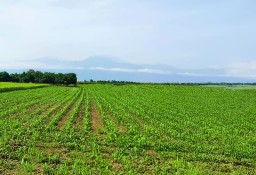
[(187, 34)]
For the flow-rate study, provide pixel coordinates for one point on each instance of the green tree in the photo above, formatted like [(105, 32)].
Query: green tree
[(48, 77), (70, 78), (15, 77), (5, 77)]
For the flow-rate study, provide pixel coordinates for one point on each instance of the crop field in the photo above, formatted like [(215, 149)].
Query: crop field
[(6, 86), (128, 129)]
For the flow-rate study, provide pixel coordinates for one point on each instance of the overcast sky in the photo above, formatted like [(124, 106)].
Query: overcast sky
[(182, 33)]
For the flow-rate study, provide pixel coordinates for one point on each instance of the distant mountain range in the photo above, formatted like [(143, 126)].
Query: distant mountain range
[(110, 68)]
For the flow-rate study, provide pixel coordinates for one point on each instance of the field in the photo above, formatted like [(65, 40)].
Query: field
[(128, 129), (235, 87), (5, 87)]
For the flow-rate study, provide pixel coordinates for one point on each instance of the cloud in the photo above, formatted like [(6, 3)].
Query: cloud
[(150, 71), (31, 65), (200, 74), (242, 69), (191, 35)]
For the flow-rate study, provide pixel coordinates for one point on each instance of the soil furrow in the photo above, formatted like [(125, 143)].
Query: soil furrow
[(96, 122)]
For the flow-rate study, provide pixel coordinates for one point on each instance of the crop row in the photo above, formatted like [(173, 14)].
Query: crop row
[(7, 87)]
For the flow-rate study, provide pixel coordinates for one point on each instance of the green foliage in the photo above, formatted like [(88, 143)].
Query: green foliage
[(32, 76), (4, 77)]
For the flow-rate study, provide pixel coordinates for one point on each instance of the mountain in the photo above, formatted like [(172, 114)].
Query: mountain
[(112, 68), (93, 61)]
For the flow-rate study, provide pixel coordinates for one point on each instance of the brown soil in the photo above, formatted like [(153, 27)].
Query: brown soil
[(78, 121), (120, 128), (49, 117), (95, 121), (152, 153), (47, 109), (63, 119), (38, 169), (115, 165), (9, 167), (42, 112), (21, 116)]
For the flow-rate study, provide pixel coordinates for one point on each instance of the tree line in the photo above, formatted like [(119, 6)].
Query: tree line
[(32, 76), (116, 82)]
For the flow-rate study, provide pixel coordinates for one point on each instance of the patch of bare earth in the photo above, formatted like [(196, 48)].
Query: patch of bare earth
[(115, 165), (152, 153), (9, 167), (41, 112), (78, 121), (49, 107), (96, 122), (49, 117), (63, 119), (38, 169), (8, 172), (21, 116), (120, 128), (59, 150)]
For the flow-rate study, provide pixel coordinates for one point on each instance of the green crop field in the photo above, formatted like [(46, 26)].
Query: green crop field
[(129, 129), (7, 86)]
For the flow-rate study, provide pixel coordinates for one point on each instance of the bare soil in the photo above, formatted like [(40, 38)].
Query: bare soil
[(63, 119), (96, 122), (120, 128), (78, 121)]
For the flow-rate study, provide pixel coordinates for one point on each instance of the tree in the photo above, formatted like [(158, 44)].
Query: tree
[(59, 78), (40, 77), (24, 78), (5, 77), (70, 78), (15, 77), (30, 74), (48, 77)]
